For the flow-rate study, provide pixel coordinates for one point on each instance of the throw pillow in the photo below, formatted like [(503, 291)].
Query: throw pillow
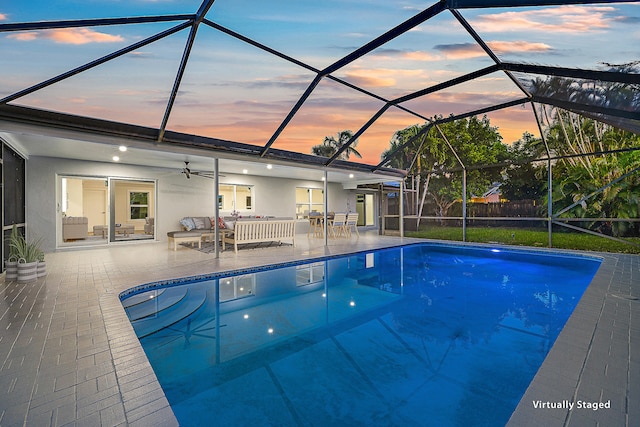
[(221, 223), (198, 223), (187, 223)]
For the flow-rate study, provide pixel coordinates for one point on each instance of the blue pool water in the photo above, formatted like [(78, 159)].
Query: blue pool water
[(423, 335)]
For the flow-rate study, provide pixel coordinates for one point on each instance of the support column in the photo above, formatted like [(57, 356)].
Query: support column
[(325, 225), (549, 202), (464, 205), (216, 209), (401, 208), (381, 209)]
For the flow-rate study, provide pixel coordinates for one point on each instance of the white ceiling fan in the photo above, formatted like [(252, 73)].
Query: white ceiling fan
[(189, 173)]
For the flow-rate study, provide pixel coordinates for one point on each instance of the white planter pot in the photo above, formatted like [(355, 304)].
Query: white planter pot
[(42, 268), (10, 270), (27, 271)]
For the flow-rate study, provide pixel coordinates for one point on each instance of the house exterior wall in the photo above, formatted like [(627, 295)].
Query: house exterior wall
[(177, 197)]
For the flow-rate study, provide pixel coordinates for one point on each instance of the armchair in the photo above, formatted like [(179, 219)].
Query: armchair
[(75, 227)]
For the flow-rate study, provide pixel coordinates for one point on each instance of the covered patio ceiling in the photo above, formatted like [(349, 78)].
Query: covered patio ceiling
[(266, 81)]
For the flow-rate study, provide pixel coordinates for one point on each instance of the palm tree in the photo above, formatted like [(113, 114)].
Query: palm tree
[(331, 145), (323, 150)]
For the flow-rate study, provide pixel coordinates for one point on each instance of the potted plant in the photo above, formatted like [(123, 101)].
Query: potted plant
[(11, 264), (27, 254)]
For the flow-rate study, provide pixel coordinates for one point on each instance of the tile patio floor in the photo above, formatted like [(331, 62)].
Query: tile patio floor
[(69, 356)]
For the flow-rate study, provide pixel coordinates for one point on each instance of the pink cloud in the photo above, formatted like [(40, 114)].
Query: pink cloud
[(68, 36), (420, 56), (24, 37), (518, 46), (368, 78), (565, 19), (470, 50), (3, 17)]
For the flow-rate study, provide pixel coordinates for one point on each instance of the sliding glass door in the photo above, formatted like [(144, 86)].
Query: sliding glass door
[(84, 210), (132, 209), (99, 210)]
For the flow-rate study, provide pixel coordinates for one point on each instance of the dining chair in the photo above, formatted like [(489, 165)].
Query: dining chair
[(351, 222), (337, 225)]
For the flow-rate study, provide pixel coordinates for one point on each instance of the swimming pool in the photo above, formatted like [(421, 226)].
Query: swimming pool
[(424, 334)]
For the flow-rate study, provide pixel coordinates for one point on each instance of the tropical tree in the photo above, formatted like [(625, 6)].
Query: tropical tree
[(445, 151), (331, 145), (406, 146), (476, 144), (602, 183), (520, 181)]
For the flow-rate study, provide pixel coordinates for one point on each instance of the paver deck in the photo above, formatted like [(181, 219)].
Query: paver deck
[(69, 356)]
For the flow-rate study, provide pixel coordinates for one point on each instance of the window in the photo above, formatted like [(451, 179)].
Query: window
[(308, 274), (309, 200), (12, 195), (234, 197), (138, 204), (232, 288)]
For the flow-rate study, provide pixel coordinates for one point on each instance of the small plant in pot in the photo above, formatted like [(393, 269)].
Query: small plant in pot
[(28, 254)]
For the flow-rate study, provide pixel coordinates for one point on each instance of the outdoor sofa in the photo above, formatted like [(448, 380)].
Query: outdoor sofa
[(234, 230)]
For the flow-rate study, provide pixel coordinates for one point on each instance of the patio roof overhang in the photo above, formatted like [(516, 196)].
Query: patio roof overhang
[(44, 133)]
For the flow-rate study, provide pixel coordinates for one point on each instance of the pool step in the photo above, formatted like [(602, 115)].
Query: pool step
[(155, 302), (141, 298), (192, 301)]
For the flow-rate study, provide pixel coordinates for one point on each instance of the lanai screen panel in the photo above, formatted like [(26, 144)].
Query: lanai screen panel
[(576, 36), (133, 88), (315, 32), (382, 133), (330, 109), (476, 94), (234, 91), (434, 52), (34, 56)]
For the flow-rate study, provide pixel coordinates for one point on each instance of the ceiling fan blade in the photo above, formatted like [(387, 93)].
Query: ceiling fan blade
[(188, 172)]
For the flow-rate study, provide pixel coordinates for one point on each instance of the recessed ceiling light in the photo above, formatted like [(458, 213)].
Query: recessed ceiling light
[(350, 175), (323, 178), (269, 166), (245, 171), (122, 148), (116, 158)]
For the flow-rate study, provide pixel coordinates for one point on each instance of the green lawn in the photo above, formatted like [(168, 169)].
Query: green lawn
[(529, 237)]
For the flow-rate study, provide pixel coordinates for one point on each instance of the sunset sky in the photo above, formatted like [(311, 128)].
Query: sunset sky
[(234, 91)]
